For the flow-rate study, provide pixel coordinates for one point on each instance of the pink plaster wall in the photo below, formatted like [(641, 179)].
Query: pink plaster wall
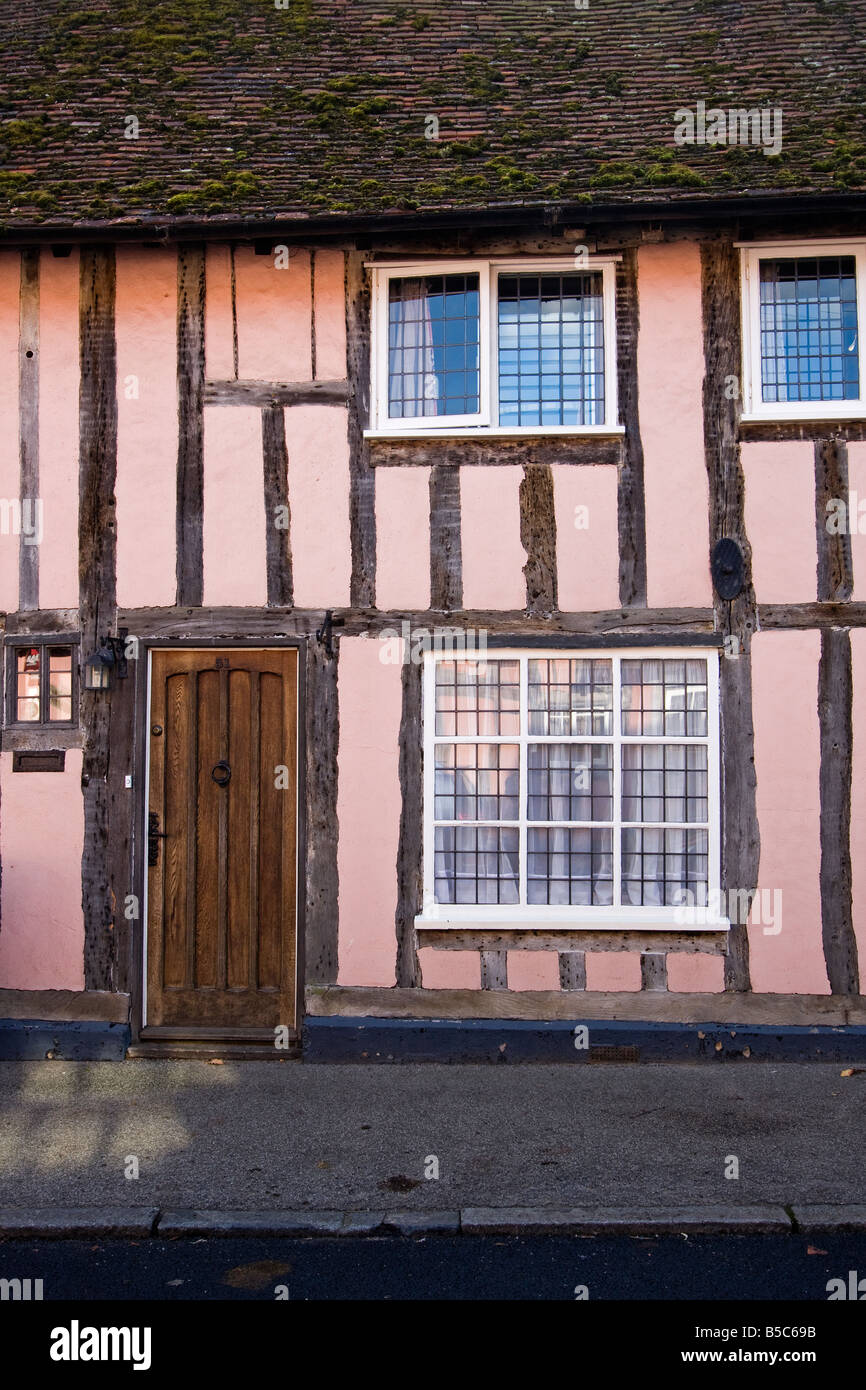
[(612, 970), (857, 483), (780, 519), (368, 812), (402, 523), (274, 312), (10, 467), (858, 798), (670, 363), (533, 970), (450, 969), (493, 557), (234, 515), (787, 762), (58, 429), (318, 449), (695, 974), (329, 298), (146, 487), (218, 327), (41, 841), (587, 559)]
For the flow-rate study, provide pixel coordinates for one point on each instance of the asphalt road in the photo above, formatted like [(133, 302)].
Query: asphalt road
[(549, 1268)]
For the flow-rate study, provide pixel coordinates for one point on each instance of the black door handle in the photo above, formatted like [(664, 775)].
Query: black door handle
[(154, 835), (226, 777)]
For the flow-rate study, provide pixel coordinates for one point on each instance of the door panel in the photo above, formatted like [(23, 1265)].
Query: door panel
[(221, 892)]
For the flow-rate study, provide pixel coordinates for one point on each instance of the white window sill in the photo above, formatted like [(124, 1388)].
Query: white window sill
[(500, 432), (820, 410), (573, 919)]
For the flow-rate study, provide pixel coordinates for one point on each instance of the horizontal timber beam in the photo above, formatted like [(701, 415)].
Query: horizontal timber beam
[(728, 1007), (264, 393), (482, 449), (570, 939)]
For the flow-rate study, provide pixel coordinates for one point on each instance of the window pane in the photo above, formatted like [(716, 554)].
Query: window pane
[(664, 782), (570, 867), (433, 346), (476, 864), (477, 697), (476, 781), (28, 665), (809, 330), (570, 697), (658, 864), (664, 698), (551, 349), (60, 683), (570, 781)]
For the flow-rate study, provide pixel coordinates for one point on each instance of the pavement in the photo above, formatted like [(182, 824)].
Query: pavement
[(285, 1148)]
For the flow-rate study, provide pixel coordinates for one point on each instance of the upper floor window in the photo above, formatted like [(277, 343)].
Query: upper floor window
[(515, 347), (42, 681), (803, 307)]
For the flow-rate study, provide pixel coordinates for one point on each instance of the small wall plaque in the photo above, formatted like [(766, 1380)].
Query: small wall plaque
[(45, 760)]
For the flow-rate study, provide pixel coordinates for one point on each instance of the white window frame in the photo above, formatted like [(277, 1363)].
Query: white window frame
[(486, 421), (613, 917), (751, 254)]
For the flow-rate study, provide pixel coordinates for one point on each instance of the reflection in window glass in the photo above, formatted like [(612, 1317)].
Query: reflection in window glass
[(433, 346), (551, 349), (809, 338)]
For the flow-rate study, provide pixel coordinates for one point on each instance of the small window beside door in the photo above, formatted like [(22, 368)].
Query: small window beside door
[(42, 682)]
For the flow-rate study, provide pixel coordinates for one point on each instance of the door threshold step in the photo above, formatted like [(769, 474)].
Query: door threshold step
[(214, 1051)]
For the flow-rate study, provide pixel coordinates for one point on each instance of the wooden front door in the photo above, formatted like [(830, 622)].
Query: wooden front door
[(222, 836)]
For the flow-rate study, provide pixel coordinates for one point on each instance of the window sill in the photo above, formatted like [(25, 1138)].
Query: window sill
[(839, 412), (571, 919), (502, 432)]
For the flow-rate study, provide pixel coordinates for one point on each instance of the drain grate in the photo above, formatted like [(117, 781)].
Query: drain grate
[(608, 1052)]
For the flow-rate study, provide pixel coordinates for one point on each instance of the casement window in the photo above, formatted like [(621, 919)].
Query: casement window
[(804, 305), (41, 681), (507, 347), (571, 787)]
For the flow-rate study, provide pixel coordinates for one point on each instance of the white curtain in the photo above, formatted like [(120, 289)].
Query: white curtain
[(413, 371)]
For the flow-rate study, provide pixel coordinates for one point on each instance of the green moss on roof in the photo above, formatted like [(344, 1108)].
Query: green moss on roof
[(246, 108)]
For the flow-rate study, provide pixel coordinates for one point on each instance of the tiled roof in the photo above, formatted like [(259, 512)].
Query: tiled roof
[(325, 106)]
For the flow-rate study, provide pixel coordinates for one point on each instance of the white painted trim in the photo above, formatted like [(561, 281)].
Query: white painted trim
[(616, 916), (755, 409), (485, 422)]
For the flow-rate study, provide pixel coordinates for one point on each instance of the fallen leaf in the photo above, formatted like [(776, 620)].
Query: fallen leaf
[(216, 1061), (813, 1250), (849, 1071), (256, 1275)]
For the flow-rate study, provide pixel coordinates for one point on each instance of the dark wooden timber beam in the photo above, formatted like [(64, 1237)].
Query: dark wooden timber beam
[(446, 552), (362, 477), (538, 538), (272, 393), (835, 701), (410, 843), (97, 594), (28, 428), (484, 451), (278, 558), (190, 400), (631, 502), (737, 620)]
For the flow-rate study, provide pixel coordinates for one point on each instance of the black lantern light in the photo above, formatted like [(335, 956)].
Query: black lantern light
[(109, 658)]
